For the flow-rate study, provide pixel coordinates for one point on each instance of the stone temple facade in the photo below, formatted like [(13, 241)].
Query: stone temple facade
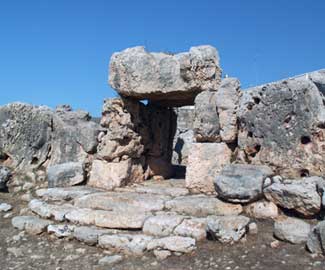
[(257, 150)]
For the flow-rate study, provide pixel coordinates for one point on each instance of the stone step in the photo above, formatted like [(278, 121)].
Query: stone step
[(66, 193), (131, 243), (125, 219), (123, 201)]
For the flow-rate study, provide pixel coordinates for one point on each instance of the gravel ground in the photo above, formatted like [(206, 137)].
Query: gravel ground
[(21, 251)]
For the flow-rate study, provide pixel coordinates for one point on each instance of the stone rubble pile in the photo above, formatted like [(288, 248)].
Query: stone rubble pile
[(258, 152)]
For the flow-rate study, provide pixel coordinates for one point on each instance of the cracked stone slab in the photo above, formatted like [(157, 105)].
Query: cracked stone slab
[(162, 225)]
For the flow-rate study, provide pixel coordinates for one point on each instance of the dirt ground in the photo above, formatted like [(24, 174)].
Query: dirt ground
[(21, 251)]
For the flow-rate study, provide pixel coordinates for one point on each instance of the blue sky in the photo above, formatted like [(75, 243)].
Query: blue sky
[(57, 52)]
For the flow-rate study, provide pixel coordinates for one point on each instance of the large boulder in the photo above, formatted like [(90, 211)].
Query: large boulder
[(35, 136), (205, 162), (172, 80), (74, 136), (25, 135), (282, 125), (241, 182), (298, 195)]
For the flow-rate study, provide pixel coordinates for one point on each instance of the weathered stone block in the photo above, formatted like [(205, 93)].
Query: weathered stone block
[(205, 162), (109, 175), (170, 79), (282, 125), (65, 175)]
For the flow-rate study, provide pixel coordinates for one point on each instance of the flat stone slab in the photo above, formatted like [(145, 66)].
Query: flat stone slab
[(67, 193), (122, 201), (45, 210), (173, 243), (162, 225), (31, 224), (172, 80), (163, 189), (202, 206)]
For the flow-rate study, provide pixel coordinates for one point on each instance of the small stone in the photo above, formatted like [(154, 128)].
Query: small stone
[(62, 230), (275, 244), (227, 229), (8, 215), (110, 260), (162, 254), (5, 207), (252, 228)]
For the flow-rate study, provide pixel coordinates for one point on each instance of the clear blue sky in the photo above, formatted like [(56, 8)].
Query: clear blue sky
[(57, 52)]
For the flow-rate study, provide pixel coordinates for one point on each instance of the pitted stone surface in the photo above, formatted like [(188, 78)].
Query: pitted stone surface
[(282, 124)]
